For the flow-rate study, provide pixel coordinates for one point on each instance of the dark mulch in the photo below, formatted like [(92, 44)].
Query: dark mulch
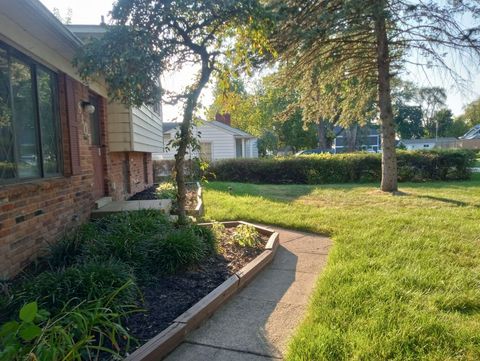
[(168, 297), (145, 195), (150, 194)]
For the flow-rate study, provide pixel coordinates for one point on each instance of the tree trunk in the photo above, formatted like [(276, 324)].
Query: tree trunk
[(322, 134), (389, 157), (186, 137)]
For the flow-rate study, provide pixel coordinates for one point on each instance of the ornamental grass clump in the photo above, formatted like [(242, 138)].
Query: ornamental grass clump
[(79, 283), (176, 250)]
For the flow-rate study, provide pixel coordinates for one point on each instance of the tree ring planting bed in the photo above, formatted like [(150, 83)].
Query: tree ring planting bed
[(167, 294), (194, 202)]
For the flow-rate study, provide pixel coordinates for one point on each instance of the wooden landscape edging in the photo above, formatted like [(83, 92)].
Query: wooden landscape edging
[(166, 341)]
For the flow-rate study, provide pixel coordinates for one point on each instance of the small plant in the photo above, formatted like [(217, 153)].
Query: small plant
[(246, 235), (80, 332), (16, 337), (218, 230), (166, 190), (179, 249)]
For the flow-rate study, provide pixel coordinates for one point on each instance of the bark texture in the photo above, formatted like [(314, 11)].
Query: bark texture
[(389, 157), (186, 136)]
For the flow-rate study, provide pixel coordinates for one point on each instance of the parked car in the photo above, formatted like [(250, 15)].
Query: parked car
[(314, 151)]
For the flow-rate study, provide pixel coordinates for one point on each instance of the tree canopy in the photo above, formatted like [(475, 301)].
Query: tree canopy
[(149, 37), (364, 42)]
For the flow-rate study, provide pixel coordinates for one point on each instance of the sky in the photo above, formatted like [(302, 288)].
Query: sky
[(90, 12)]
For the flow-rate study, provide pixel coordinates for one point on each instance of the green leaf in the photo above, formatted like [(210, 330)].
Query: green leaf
[(28, 312), (9, 328), (29, 332)]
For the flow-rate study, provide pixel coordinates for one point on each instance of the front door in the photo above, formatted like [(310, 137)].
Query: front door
[(96, 149)]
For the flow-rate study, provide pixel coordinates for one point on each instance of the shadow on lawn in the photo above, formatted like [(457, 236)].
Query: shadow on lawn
[(285, 193), (454, 202)]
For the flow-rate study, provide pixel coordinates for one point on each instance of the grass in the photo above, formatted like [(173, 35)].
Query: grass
[(403, 278)]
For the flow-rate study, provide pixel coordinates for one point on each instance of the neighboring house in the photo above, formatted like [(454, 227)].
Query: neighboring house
[(58, 154), (356, 138), (428, 144), (473, 133), (217, 140)]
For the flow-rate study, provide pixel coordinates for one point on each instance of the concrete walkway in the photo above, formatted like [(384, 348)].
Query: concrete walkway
[(257, 323)]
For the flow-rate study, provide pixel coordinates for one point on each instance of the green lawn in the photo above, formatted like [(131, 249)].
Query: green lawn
[(403, 278)]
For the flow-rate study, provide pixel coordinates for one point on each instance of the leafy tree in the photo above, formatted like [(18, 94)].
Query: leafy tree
[(270, 112), (408, 120), (431, 99), (362, 43), (458, 128), (67, 19), (149, 37), (471, 113), (442, 123), (268, 143)]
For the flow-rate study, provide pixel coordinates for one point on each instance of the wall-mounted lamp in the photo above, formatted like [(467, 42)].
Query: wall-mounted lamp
[(88, 107)]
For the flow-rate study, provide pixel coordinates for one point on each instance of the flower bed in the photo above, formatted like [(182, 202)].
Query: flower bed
[(118, 282)]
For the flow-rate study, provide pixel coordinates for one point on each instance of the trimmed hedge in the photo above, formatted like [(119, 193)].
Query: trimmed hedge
[(416, 166)]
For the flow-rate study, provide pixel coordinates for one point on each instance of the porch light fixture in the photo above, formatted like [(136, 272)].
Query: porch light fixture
[(88, 107)]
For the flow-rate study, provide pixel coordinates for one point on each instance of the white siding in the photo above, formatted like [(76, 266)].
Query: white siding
[(223, 143), (119, 128), (252, 148), (147, 130), (134, 130), (420, 146)]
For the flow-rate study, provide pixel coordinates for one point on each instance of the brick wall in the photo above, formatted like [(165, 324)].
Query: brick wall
[(130, 173), (36, 213)]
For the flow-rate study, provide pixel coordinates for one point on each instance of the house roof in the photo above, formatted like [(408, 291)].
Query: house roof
[(40, 11), (85, 31), (428, 140), (169, 126)]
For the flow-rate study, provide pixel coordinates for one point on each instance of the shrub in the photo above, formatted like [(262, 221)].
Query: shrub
[(346, 168), (207, 236), (245, 235), (90, 281), (174, 251)]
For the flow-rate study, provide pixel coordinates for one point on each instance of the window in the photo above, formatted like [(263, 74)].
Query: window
[(239, 148), (29, 135), (94, 121), (206, 151)]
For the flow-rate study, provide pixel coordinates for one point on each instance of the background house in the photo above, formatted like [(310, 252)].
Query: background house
[(217, 139), (470, 140), (429, 143), (57, 157), (357, 138)]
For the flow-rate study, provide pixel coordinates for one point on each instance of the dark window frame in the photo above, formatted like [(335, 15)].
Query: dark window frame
[(34, 66)]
